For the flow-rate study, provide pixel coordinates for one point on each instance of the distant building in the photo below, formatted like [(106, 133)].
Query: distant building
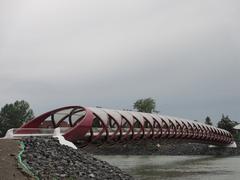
[(237, 128)]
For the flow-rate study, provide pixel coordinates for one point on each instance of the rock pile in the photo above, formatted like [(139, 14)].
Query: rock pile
[(47, 159)]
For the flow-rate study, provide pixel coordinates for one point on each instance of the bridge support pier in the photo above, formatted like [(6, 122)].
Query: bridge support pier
[(232, 145)]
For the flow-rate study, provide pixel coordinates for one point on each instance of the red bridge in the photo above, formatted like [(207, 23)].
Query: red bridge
[(86, 124)]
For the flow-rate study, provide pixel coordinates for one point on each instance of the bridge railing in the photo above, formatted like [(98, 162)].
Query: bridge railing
[(26, 132)]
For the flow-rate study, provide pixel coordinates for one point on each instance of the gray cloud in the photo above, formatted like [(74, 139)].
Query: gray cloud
[(104, 53)]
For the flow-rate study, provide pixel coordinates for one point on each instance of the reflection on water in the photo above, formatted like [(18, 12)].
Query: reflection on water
[(178, 167)]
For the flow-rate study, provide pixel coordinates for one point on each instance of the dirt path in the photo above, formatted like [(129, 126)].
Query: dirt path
[(9, 170)]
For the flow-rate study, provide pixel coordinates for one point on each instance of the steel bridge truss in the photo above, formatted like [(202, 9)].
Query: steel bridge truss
[(98, 125)]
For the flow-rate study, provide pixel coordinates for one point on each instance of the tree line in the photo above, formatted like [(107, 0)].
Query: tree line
[(224, 123)]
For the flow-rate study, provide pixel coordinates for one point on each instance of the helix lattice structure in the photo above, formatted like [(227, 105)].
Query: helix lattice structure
[(86, 125)]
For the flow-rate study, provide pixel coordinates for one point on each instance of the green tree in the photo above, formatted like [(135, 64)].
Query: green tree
[(208, 121), (145, 105), (227, 124), (14, 115)]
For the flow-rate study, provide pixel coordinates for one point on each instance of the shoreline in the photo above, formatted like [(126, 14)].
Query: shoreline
[(42, 153), (162, 148)]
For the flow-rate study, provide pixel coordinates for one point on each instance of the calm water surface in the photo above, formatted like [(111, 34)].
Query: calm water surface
[(178, 167)]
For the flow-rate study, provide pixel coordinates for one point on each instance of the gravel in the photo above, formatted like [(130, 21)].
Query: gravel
[(47, 159)]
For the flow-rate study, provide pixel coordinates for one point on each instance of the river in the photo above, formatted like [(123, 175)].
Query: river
[(178, 167)]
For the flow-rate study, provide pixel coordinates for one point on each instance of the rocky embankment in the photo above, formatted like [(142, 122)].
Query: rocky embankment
[(47, 159), (162, 148)]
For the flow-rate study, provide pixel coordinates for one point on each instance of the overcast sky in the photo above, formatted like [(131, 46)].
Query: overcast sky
[(184, 54)]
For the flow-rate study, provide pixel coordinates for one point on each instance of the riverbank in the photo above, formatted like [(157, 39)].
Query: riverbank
[(44, 158), (47, 159), (162, 148)]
